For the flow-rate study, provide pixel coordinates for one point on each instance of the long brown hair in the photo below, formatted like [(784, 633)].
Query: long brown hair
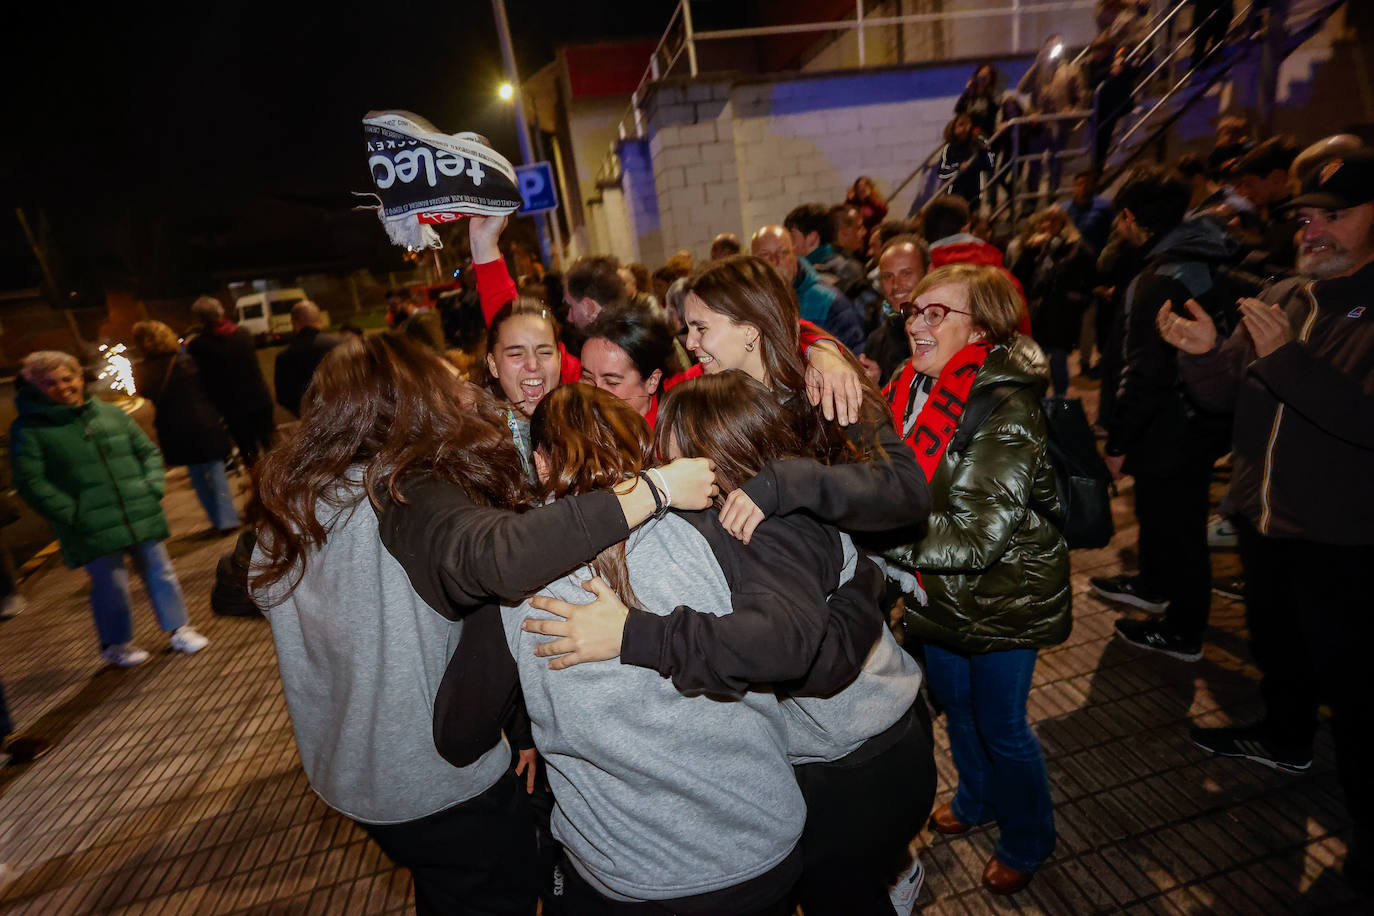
[(592, 440), (748, 290), (384, 408), (731, 419)]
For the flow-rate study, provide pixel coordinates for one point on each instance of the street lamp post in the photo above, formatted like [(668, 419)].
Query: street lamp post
[(518, 102)]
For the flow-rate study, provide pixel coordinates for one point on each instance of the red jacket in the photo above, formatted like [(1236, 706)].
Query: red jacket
[(977, 251)]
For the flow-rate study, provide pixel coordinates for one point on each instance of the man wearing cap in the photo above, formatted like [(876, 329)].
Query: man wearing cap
[(1299, 372)]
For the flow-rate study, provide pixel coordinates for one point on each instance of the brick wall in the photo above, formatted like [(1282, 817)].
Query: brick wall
[(730, 156)]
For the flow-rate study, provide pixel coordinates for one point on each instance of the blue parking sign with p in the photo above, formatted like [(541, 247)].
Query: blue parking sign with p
[(537, 191)]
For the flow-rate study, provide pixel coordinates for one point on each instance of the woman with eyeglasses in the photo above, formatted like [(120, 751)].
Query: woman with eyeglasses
[(993, 566)]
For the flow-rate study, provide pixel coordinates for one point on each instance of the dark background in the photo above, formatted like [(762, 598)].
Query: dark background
[(160, 148)]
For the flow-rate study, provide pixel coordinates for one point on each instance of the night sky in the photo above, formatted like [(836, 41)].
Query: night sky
[(163, 144)]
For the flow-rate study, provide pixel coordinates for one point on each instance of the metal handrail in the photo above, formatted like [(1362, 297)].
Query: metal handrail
[(1295, 38), (1008, 125)]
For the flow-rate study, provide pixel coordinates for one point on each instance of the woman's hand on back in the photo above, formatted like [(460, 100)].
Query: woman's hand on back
[(832, 384), (740, 516), (587, 632), (691, 483)]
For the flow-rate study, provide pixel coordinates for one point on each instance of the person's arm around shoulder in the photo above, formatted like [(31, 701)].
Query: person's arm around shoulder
[(885, 492), (460, 555), (781, 629), (989, 493)]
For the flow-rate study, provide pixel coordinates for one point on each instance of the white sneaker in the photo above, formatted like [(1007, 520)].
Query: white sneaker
[(12, 605), (124, 654), (903, 894), (1221, 533), (187, 640)]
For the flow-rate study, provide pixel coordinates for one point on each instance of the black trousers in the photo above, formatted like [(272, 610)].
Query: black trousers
[(474, 859), (252, 432), (1174, 559), (861, 812), (1309, 613)]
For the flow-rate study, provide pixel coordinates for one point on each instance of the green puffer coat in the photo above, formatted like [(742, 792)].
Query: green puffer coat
[(992, 560), (90, 471)]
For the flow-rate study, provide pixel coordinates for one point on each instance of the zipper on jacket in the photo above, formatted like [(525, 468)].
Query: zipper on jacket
[(1266, 509), (104, 462)]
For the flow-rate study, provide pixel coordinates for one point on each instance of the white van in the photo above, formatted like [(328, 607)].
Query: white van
[(267, 316)]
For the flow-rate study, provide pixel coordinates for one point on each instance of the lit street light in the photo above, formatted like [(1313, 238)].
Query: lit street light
[(506, 91)]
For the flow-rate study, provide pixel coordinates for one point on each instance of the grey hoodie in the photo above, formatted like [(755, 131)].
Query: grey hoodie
[(828, 728), (361, 656), (658, 795)]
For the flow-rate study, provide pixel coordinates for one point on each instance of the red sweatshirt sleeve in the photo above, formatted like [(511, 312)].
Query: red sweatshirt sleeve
[(494, 287)]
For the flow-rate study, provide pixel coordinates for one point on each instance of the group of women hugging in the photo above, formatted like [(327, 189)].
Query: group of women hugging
[(674, 592)]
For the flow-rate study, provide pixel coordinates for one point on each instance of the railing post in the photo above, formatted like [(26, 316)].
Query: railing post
[(1016, 27), (1015, 172), (859, 18), (691, 42)]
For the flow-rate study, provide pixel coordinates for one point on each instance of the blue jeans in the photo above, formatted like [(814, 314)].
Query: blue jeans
[(1002, 773), (110, 591), (212, 488)]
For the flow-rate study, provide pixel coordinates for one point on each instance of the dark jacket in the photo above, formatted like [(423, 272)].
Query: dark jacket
[(1058, 278), (993, 563), (981, 109), (189, 429), (888, 346), (1153, 421), (296, 365), (1303, 442), (839, 268), (824, 305), (1117, 266), (962, 163), (229, 370), (90, 471)]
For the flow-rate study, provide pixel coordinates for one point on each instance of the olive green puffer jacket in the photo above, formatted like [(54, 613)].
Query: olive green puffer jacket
[(993, 563), (90, 471)]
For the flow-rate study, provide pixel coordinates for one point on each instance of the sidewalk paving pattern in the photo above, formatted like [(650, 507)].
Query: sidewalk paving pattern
[(175, 787)]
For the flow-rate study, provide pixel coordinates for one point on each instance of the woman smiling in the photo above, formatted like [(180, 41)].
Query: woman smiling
[(994, 567)]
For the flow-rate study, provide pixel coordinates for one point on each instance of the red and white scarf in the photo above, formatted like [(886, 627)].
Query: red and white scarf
[(939, 416)]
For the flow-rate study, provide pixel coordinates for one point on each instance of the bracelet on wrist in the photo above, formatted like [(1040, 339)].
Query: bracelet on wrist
[(667, 493), (660, 506)]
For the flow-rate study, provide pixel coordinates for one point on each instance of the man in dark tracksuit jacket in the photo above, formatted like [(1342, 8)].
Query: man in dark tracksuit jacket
[(1155, 432), (1300, 374), (296, 364)]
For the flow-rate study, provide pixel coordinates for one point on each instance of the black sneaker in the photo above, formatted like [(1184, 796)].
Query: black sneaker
[(1252, 743), (1232, 587), (1148, 634), (1127, 590)]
